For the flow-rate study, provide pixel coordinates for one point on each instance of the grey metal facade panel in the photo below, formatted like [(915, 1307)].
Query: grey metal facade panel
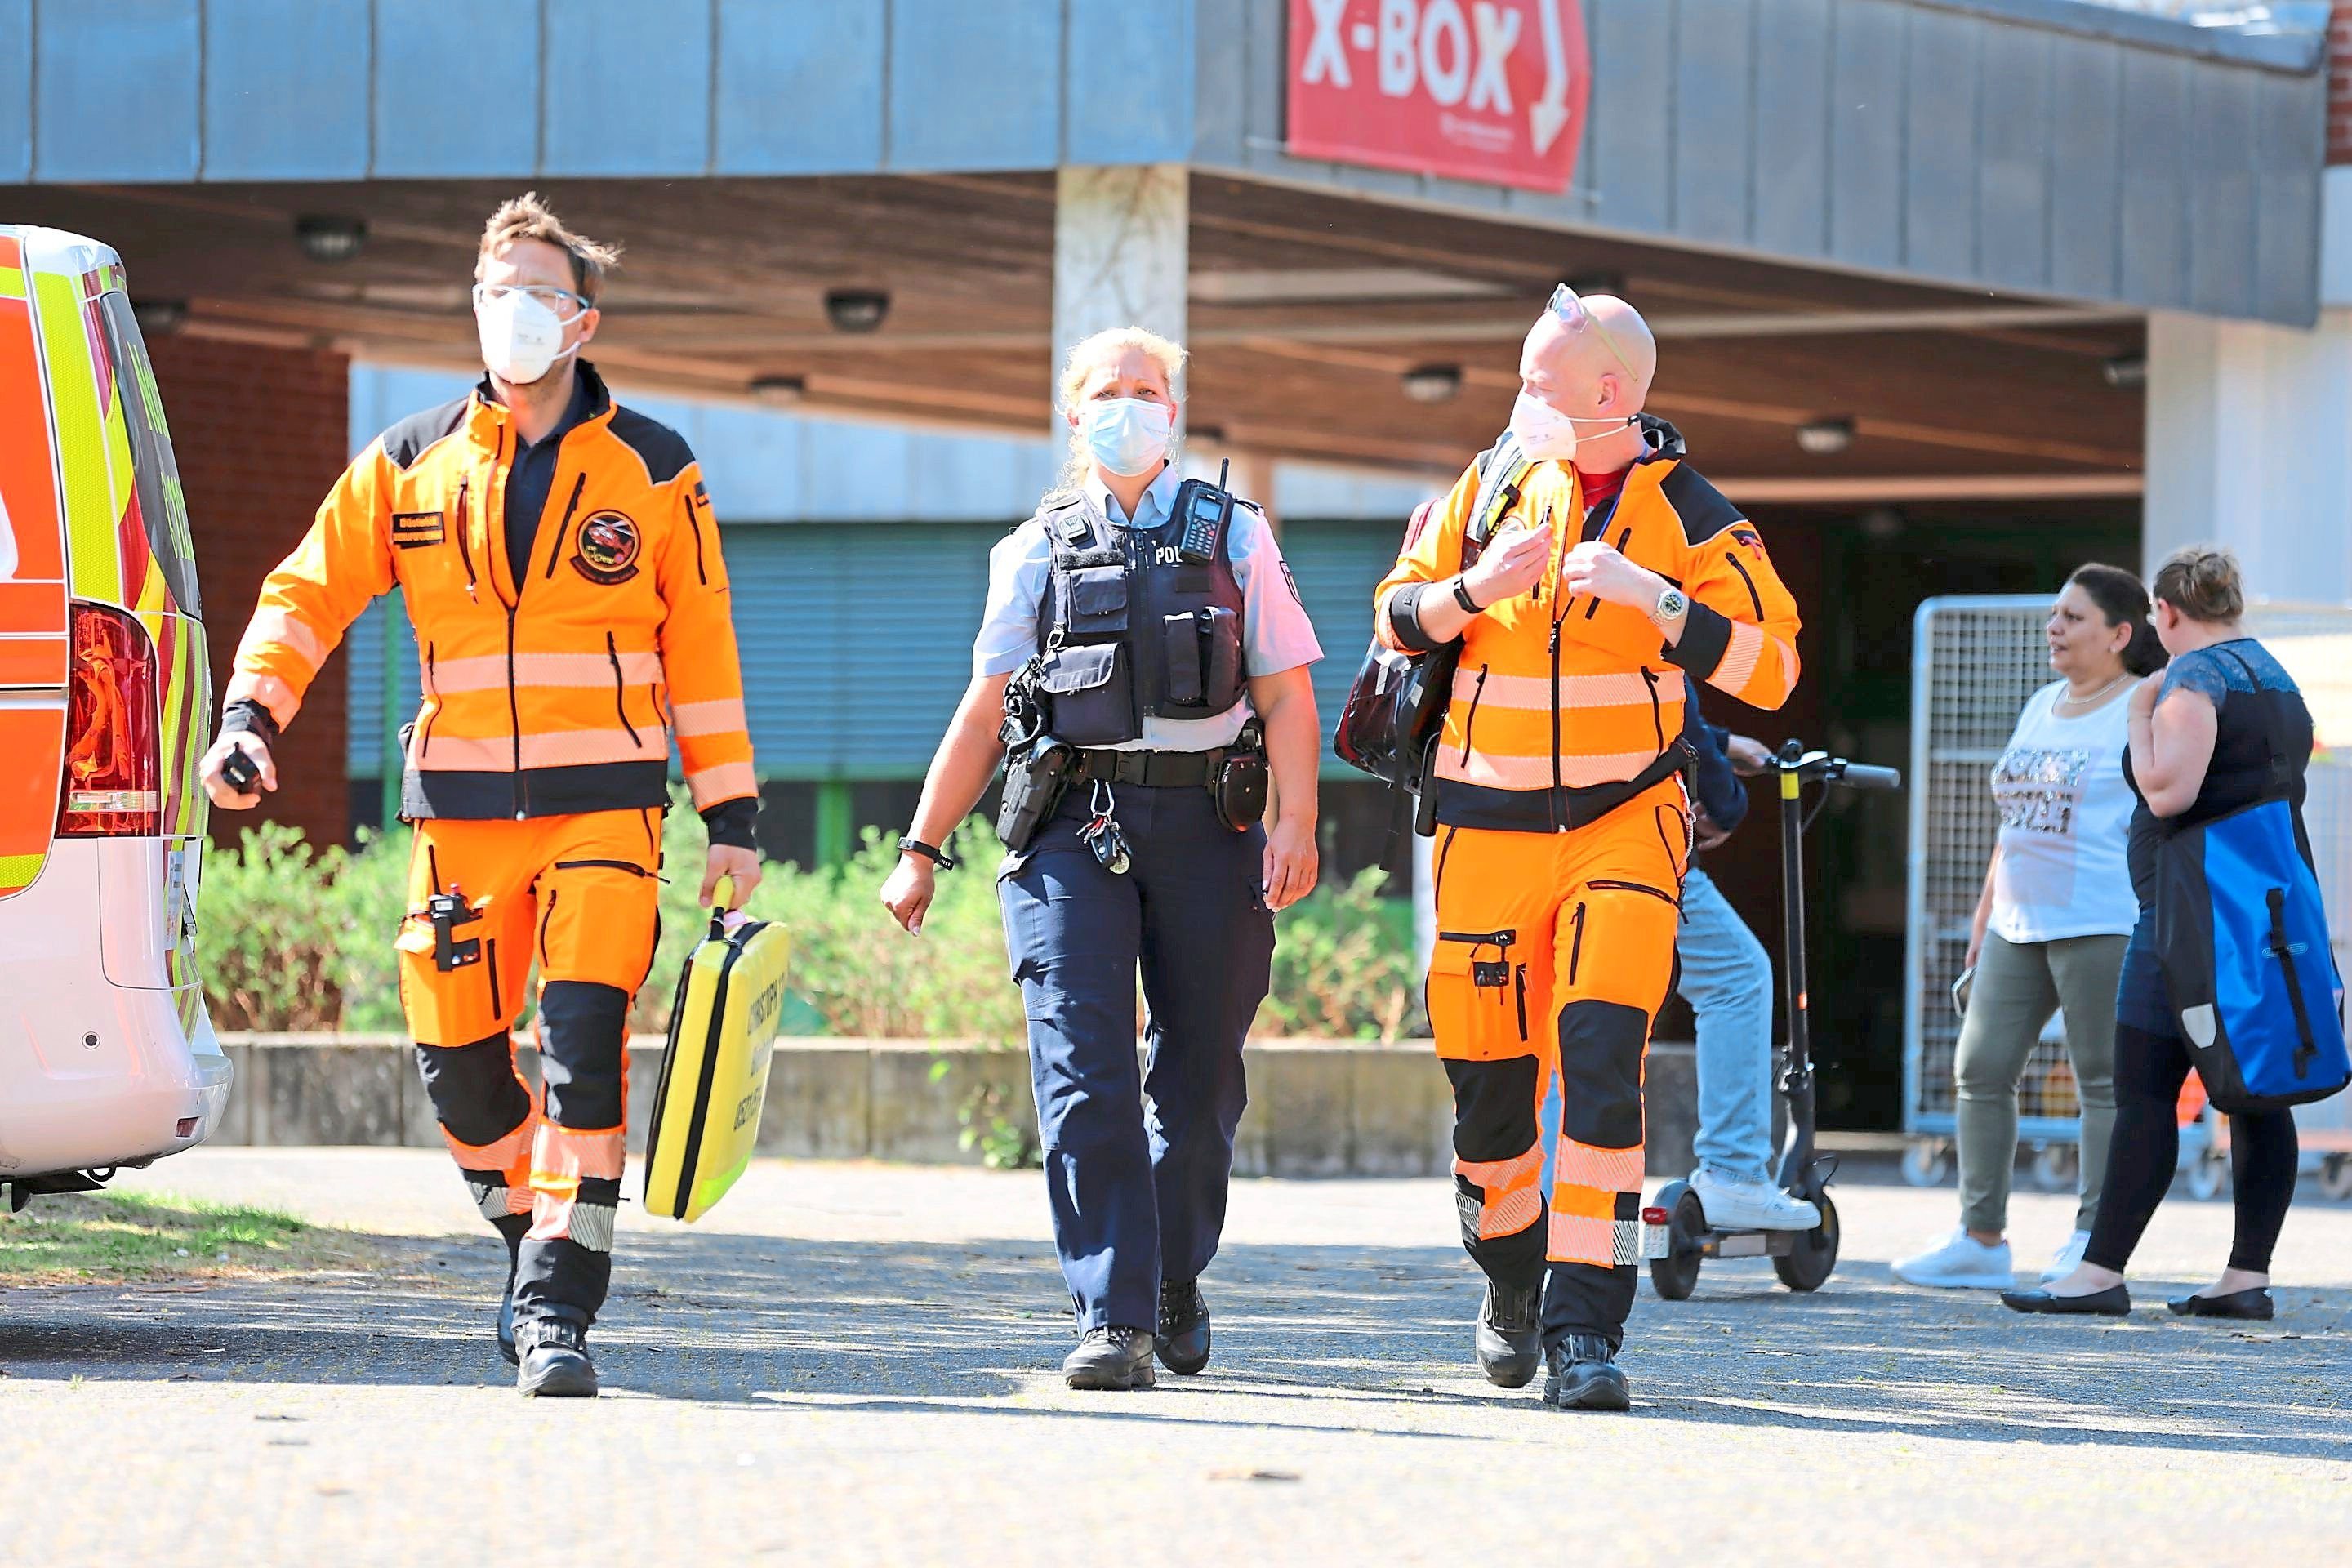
[(1793, 125), (800, 86), (611, 107), (2286, 239), (1715, 75), (2291, 52), (1867, 132), (1632, 113), (2014, 141), (1220, 35), (975, 88), (2086, 99), (2222, 166), (456, 91), (115, 90), (1939, 186), (16, 90), (2153, 220), (273, 63), (1128, 81)]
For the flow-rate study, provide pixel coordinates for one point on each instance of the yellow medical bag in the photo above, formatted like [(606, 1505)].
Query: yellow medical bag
[(714, 1073)]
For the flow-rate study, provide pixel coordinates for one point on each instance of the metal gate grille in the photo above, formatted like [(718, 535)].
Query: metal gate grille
[(1975, 660)]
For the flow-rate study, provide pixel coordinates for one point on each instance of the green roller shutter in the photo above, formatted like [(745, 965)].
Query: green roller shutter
[(1336, 565), (363, 653)]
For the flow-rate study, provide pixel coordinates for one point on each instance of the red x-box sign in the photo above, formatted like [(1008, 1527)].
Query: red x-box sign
[(1491, 90)]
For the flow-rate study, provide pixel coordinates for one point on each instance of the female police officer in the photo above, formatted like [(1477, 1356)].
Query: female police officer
[(1157, 656)]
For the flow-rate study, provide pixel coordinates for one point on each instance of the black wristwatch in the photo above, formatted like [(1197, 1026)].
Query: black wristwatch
[(1462, 598), (936, 857)]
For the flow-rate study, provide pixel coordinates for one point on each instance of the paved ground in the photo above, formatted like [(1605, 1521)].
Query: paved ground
[(851, 1364)]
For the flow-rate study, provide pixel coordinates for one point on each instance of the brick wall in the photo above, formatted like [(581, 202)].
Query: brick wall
[(260, 434), (2339, 83)]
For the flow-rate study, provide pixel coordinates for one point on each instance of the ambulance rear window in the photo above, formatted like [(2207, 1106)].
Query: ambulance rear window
[(161, 507)]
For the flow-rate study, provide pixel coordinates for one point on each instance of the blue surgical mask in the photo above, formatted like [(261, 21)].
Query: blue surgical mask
[(1126, 435)]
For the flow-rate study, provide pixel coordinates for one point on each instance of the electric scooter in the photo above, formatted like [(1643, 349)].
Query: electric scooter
[(1676, 1237)]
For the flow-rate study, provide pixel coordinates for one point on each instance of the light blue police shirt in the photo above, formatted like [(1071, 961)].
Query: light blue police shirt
[(1276, 632)]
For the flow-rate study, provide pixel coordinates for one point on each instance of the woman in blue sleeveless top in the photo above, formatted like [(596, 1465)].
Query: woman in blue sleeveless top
[(2201, 744)]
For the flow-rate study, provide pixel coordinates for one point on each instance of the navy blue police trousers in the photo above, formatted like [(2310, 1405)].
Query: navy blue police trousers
[(1138, 1157)]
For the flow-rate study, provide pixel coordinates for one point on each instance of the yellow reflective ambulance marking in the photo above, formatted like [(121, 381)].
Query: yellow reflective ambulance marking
[(94, 553), (12, 282), (17, 872)]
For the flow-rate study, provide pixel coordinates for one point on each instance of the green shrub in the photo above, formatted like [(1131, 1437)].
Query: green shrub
[(295, 938)]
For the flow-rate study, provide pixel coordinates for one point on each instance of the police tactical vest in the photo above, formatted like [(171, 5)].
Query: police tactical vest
[(1130, 630)]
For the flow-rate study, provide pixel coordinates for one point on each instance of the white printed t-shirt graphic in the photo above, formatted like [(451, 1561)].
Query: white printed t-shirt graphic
[(1276, 632), (2066, 811)]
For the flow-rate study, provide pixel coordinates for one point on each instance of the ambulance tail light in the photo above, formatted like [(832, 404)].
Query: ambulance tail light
[(113, 754)]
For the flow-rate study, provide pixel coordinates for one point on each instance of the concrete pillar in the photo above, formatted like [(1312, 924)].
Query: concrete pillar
[(1122, 253), (2249, 446)]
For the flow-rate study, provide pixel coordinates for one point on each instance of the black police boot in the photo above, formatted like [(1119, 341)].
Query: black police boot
[(1510, 1335), (555, 1363), (1584, 1376), (512, 1231), (1115, 1356), (1183, 1338)]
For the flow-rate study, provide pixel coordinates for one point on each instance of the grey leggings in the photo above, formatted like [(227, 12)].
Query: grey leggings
[(2016, 986)]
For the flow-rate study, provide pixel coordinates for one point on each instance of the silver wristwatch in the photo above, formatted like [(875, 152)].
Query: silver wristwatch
[(1671, 604)]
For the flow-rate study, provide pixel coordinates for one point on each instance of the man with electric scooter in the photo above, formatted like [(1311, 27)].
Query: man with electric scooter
[(1590, 575)]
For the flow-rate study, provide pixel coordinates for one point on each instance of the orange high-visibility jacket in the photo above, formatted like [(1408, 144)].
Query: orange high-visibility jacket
[(553, 695), (1564, 707)]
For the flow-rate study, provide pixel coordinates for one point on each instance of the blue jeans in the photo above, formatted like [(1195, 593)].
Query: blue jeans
[(1726, 978)]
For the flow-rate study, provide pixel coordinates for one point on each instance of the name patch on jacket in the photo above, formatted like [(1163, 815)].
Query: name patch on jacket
[(415, 530), (607, 547)]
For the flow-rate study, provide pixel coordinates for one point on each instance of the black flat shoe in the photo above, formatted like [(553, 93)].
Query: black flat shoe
[(2254, 1304), (2115, 1302), (1182, 1341)]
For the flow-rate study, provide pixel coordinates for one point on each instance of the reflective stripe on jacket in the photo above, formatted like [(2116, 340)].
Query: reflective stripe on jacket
[(557, 694), (1557, 698)]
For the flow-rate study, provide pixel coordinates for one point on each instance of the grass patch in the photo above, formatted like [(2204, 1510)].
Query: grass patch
[(87, 1237)]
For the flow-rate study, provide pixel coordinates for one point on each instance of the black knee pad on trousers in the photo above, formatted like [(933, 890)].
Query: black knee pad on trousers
[(582, 1031), (474, 1090), (1493, 1107), (1601, 1046)]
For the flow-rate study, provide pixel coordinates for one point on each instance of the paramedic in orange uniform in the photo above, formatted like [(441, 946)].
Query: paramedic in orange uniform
[(1614, 576), (560, 564)]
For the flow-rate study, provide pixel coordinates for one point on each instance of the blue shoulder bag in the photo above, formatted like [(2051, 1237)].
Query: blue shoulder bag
[(2243, 940)]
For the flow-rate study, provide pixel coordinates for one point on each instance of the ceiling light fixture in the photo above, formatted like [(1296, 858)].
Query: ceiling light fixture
[(783, 391), (857, 310), (2124, 372), (329, 236), (1826, 437), (1433, 383)]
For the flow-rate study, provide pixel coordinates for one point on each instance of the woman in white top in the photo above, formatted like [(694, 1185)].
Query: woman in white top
[(2053, 923)]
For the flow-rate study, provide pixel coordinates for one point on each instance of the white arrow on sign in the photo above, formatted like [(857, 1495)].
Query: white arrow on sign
[(1548, 114)]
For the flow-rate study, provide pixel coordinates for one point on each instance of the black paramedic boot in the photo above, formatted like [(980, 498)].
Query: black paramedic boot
[(555, 1363), (1115, 1356), (1184, 1339), (1509, 1335), (510, 1229), (1584, 1376)]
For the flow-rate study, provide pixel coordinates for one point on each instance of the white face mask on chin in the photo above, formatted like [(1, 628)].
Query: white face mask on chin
[(1545, 434), (1126, 435), (520, 337)]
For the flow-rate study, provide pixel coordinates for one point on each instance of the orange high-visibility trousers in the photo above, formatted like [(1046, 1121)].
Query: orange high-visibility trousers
[(1554, 952), (578, 895)]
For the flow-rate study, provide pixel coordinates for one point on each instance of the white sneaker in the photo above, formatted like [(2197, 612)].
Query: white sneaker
[(1751, 1206), (2070, 1256), (1960, 1263)]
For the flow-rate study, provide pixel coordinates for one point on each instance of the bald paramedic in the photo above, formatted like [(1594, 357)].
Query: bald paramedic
[(1591, 575), (560, 564)]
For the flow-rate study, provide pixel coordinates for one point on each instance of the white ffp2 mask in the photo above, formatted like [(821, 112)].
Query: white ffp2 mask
[(1545, 434), (1126, 435), (520, 337)]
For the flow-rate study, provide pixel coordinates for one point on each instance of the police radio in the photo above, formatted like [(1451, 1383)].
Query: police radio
[(1205, 508)]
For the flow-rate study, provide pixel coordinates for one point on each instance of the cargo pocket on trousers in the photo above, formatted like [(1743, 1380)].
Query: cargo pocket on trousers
[(1478, 1003)]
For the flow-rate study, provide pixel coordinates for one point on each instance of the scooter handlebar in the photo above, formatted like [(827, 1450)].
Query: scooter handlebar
[(1864, 775)]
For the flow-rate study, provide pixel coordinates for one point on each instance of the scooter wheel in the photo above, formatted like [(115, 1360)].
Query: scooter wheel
[(1925, 1163), (2209, 1178), (1676, 1275), (2336, 1177), (1808, 1266)]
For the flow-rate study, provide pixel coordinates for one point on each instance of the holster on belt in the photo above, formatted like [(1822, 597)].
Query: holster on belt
[(1033, 781)]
